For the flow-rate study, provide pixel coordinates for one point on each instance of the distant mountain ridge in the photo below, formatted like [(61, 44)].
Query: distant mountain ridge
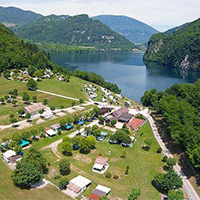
[(180, 49), (77, 30), (14, 17), (132, 29)]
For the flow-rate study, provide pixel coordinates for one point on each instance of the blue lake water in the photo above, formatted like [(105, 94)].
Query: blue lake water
[(126, 69)]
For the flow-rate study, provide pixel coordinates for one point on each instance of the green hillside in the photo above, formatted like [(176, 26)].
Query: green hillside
[(15, 53), (78, 30), (132, 29), (15, 18), (181, 49)]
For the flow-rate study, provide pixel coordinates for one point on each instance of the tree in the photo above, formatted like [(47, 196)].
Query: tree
[(81, 101), (66, 139), (45, 102), (73, 103), (113, 122), (175, 195), (35, 157), (91, 141), (32, 84), (31, 70), (78, 127), (33, 132), (28, 116), (26, 174), (63, 122), (84, 146), (15, 92), (52, 108), (64, 166), (135, 193), (14, 102), (6, 74), (21, 111), (16, 137), (13, 120), (67, 148), (76, 140), (171, 162), (170, 180), (26, 135), (69, 120), (34, 98), (148, 143), (39, 73), (2, 101), (25, 97), (17, 149), (63, 183)]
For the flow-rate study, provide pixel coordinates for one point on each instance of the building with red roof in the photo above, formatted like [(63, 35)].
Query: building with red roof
[(135, 123)]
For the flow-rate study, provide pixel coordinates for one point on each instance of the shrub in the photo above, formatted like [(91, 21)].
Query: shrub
[(164, 159), (127, 169), (116, 176), (108, 175), (63, 183), (64, 166), (159, 150)]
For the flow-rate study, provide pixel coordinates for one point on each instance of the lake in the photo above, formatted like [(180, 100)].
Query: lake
[(126, 69)]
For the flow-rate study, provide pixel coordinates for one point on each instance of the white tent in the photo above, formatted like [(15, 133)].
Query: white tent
[(80, 181), (103, 189), (8, 154), (51, 133), (98, 166)]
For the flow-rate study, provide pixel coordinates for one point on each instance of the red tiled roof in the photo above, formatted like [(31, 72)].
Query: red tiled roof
[(135, 123), (101, 160), (94, 197)]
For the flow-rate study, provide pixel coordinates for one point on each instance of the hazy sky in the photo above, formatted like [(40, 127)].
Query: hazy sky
[(161, 14)]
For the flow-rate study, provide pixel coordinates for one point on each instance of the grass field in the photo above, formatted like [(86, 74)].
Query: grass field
[(71, 89), (143, 167), (9, 192)]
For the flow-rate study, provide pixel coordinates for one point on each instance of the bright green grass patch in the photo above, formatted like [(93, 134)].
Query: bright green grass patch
[(8, 191), (144, 165)]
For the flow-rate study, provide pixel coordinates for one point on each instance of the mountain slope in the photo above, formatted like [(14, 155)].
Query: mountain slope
[(170, 31), (14, 53), (181, 49), (133, 30), (14, 18), (78, 30)]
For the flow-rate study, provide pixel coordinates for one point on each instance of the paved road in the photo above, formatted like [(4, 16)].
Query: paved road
[(192, 194)]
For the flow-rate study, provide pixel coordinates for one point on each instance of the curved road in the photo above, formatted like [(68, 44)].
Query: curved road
[(190, 191)]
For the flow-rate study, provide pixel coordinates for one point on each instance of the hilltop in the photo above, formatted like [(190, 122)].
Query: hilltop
[(15, 18), (181, 49), (78, 30), (16, 54), (132, 29)]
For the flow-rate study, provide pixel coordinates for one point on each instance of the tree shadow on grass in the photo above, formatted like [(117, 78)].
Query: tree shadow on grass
[(146, 148)]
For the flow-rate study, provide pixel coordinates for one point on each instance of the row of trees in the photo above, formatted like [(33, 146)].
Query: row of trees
[(180, 107), (85, 145)]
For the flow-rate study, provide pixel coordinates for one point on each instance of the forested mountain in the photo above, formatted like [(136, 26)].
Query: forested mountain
[(78, 30), (180, 107), (170, 31), (180, 49), (15, 18), (15, 53), (132, 29)]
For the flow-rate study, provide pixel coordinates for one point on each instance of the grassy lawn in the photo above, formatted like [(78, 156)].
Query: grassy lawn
[(144, 165), (71, 89), (8, 191)]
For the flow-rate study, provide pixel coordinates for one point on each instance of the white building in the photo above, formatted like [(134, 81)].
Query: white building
[(8, 154), (51, 133), (77, 185)]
